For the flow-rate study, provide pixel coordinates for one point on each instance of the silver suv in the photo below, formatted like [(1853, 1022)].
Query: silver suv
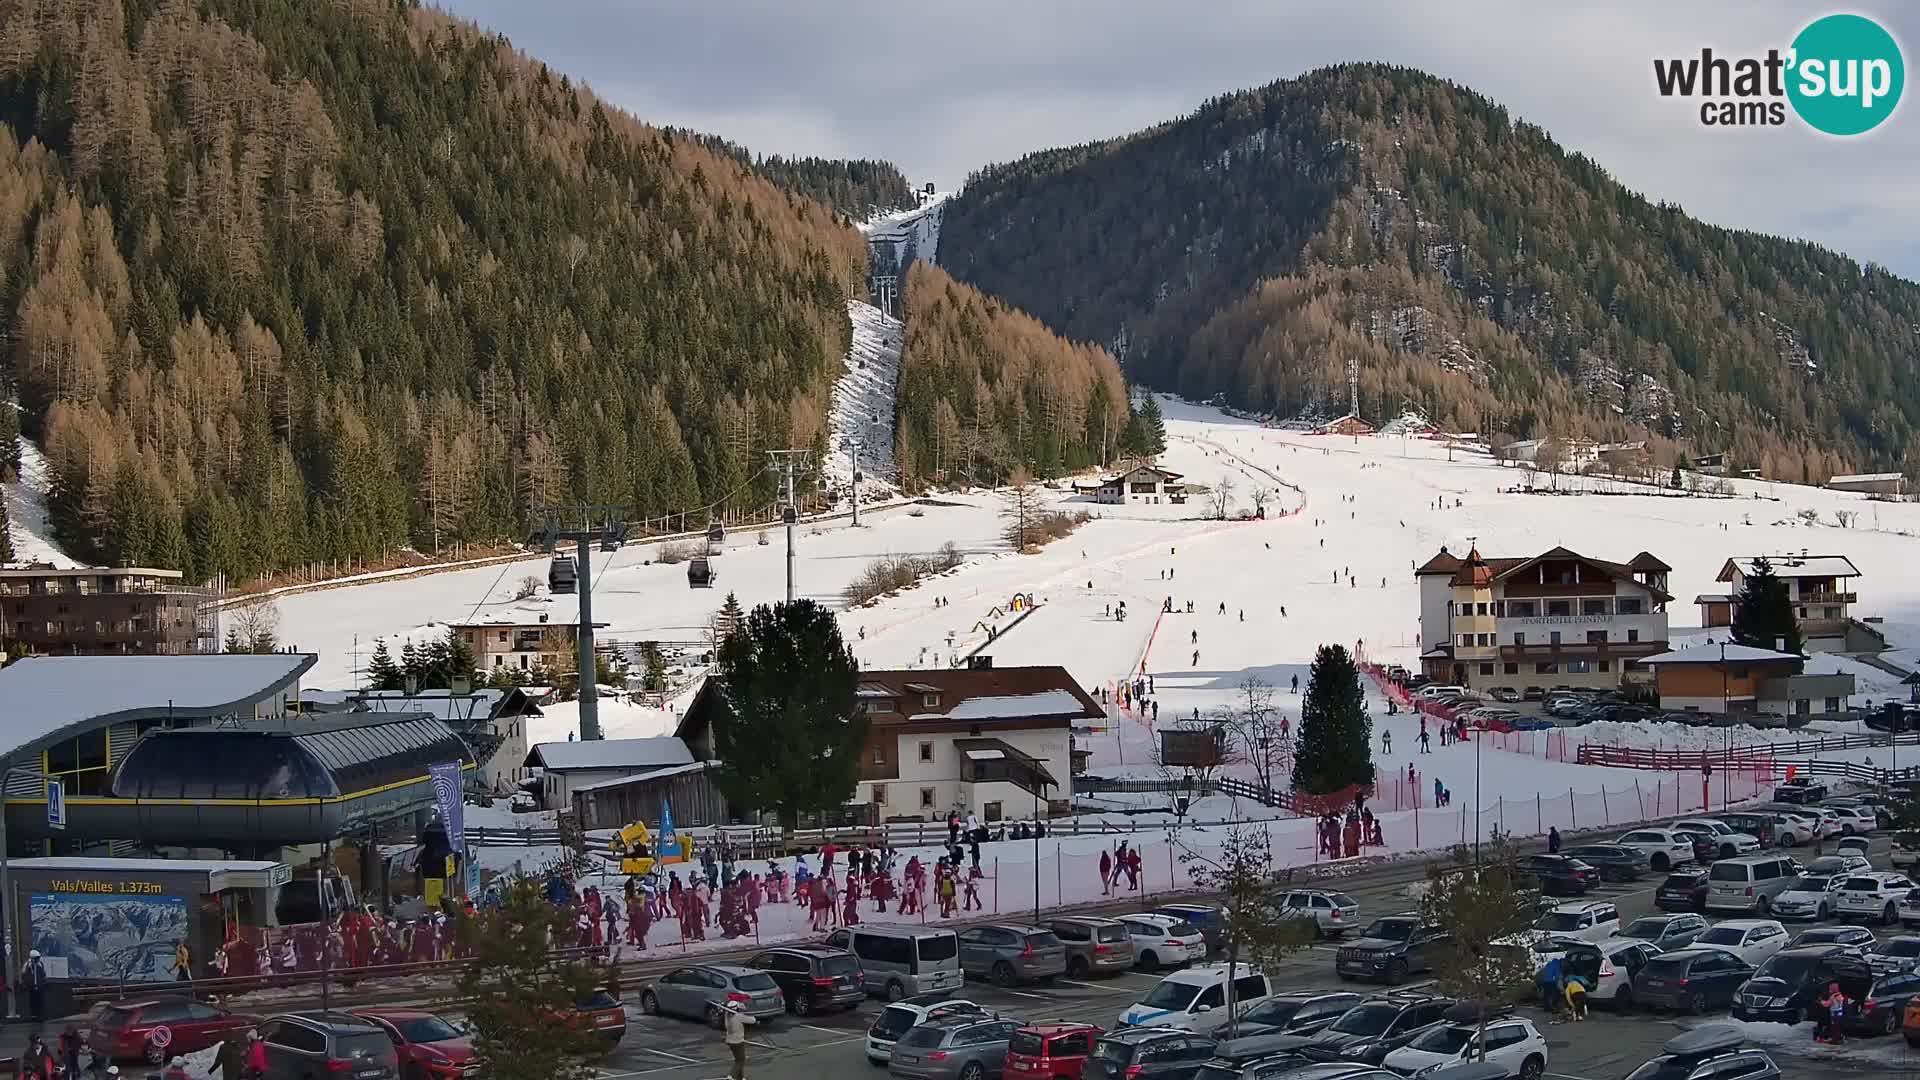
[(1333, 913)]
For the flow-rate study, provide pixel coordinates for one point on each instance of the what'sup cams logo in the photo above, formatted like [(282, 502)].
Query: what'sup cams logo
[(1842, 75)]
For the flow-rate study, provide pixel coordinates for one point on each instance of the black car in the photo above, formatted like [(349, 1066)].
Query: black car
[(1614, 862), (1296, 1014), (814, 978), (1791, 980), (1390, 949), (1561, 875), (1683, 890), (1708, 1052), (1801, 790), (1857, 938), (1148, 1053), (1377, 1027), (1691, 980), (1893, 716)]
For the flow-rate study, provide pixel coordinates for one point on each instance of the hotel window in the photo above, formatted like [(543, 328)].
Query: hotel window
[(879, 755), (1466, 640), (1554, 637), (1604, 666), (1511, 669), (1522, 609), (1596, 637), (1546, 667), (1485, 640), (1593, 607), (1486, 669), (1559, 607), (931, 701), (1578, 667), (880, 794), (1628, 605), (926, 751), (1482, 609), (1519, 638), (926, 798), (1633, 635)]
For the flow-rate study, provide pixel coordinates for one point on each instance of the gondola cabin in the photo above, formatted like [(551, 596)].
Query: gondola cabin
[(561, 575), (716, 535), (699, 573)]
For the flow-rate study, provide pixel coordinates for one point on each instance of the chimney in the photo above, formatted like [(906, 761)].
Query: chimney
[(543, 616)]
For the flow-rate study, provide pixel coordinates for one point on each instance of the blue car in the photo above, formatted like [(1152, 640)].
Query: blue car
[(1205, 916)]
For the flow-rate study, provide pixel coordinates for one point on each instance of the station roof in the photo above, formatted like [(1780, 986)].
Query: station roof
[(54, 697), (659, 752), (326, 757)]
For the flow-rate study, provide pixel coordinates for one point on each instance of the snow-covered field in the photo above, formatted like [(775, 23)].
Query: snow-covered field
[(27, 510), (863, 410)]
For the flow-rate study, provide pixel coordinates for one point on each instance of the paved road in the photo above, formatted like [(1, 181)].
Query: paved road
[(1606, 1047)]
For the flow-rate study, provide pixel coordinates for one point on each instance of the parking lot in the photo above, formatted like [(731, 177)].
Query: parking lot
[(1606, 1047)]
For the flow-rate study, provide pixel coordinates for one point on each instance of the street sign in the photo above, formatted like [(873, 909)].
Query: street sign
[(56, 805)]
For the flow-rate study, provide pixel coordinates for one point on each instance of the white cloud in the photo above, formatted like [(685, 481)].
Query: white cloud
[(942, 89)]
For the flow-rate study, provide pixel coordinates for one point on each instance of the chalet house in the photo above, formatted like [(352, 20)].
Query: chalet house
[(526, 639), (1347, 425), (1891, 483), (563, 767), (994, 742), (1725, 678), (1142, 483), (1558, 618), (1820, 588)]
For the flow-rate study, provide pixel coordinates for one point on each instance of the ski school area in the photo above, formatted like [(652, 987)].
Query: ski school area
[(1171, 600)]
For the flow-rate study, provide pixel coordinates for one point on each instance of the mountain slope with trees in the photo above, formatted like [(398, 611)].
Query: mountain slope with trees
[(291, 282), (1474, 268), (857, 187)]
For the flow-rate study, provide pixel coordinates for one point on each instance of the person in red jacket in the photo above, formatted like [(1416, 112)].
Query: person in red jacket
[(256, 1056)]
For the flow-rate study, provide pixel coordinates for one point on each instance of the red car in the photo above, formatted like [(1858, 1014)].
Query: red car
[(429, 1048), (1050, 1051), (155, 1029)]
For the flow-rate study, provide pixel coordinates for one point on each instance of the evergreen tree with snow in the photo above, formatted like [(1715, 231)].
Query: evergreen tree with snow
[(382, 672), (1336, 734), (6, 529), (1153, 427), (413, 665), (1765, 617)]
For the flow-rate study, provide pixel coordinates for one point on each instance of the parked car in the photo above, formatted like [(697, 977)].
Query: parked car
[(1731, 840), (124, 1030), (1792, 980), (1757, 824), (1011, 954), (1854, 820), (1706, 847), (1790, 830), (1749, 882), (900, 1017), (1094, 946), (1196, 998), (814, 978), (1616, 862), (1160, 941), (1611, 978), (1800, 789), (1586, 920), (1334, 913), (1377, 1027), (1856, 939), (953, 1048), (1147, 1054), (1390, 949), (1296, 1014), (1504, 693), (702, 991), (599, 1013), (1708, 1052), (1049, 1051), (1872, 894), (1854, 845), (1665, 932), (903, 961), (1533, 693), (1809, 896), (1694, 979), (1884, 1007), (1906, 851), (428, 1047), (1910, 909), (1510, 1041), (1208, 917), (1560, 875), (318, 1043), (1685, 890), (1752, 940), (1841, 866), (1894, 955), (1664, 848)]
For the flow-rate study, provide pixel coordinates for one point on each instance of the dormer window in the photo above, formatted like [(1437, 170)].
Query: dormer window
[(931, 701)]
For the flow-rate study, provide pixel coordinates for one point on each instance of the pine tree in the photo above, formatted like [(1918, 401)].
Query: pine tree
[(729, 618), (413, 666), (1336, 734), (1153, 427), (788, 728), (1765, 618), (460, 660), (436, 664), (9, 436), (382, 672), (6, 534)]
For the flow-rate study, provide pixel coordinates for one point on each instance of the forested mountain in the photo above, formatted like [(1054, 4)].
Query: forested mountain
[(985, 389), (295, 280), (858, 188), (1472, 266)]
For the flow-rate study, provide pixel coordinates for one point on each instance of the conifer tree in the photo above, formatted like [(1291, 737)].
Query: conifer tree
[(413, 666), (382, 672), (1765, 619), (1153, 427), (460, 660), (6, 534), (1336, 734)]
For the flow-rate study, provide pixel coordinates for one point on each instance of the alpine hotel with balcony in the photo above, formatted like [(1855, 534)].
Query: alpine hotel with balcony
[(1554, 619)]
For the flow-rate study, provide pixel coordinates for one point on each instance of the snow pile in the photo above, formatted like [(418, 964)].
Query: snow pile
[(1411, 422), (863, 404), (27, 511)]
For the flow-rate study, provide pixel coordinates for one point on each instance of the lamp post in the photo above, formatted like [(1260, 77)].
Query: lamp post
[(1039, 798), (1477, 740), (1726, 736)]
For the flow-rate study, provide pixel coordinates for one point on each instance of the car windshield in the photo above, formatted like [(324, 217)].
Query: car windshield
[(838, 965), (1725, 871), (924, 1035), (1390, 929), (1645, 929), (1446, 1039), (1171, 994), (1183, 928), (759, 980), (1861, 884), (1275, 1011), (939, 947), (1559, 921), (1366, 1019), (1786, 967), (425, 1029), (1808, 883), (1723, 935), (1027, 1042), (1899, 947), (893, 1021)]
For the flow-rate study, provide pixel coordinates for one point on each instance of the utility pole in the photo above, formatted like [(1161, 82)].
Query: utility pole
[(784, 460), (583, 525)]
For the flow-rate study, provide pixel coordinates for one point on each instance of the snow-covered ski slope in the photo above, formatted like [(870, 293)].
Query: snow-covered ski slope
[(907, 234), (27, 510), (863, 403), (1257, 568)]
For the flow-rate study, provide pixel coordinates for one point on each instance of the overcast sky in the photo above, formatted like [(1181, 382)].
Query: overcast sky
[(942, 88)]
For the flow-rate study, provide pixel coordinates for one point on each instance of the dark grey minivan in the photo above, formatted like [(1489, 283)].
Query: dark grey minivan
[(330, 1044)]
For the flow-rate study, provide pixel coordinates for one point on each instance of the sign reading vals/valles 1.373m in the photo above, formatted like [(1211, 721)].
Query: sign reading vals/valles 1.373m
[(123, 888)]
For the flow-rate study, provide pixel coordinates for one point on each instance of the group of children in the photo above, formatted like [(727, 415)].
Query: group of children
[(1340, 838)]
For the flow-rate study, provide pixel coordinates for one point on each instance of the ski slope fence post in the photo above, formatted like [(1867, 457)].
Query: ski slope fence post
[(1639, 800), (1539, 818), (1573, 808), (996, 889), (1606, 812), (1059, 892)]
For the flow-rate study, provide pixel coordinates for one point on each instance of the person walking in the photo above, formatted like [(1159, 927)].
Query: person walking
[(735, 1029), (1426, 744), (256, 1067), (1553, 841), (1106, 873), (1386, 742), (231, 1058), (33, 979)]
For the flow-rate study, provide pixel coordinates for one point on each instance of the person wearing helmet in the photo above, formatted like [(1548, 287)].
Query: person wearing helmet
[(176, 1069), (33, 979)]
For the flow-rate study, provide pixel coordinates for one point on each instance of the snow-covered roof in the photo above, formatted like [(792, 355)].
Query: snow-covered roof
[(1864, 478), (642, 777), (1714, 598), (1793, 566), (1009, 706), (1713, 654), (660, 751), (49, 696)]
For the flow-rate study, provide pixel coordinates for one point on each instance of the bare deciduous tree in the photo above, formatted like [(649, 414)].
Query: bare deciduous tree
[(1022, 509), (1253, 727), (254, 628), (1260, 496), (1221, 498)]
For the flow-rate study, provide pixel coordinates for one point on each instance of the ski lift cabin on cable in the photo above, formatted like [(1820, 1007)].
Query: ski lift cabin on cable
[(699, 573), (561, 575)]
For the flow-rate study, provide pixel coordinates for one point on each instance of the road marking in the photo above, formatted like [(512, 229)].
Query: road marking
[(816, 1027), (1025, 994), (668, 1055), (1093, 986), (1566, 1076), (757, 1042)]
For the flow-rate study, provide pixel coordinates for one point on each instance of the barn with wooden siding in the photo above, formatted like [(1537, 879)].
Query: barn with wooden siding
[(618, 802)]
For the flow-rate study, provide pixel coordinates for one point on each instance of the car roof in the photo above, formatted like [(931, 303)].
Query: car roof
[(809, 950), (1583, 906), (1058, 1027), (729, 969), (337, 1021), (1141, 1034), (1152, 917), (1205, 973), (385, 1012), (1706, 1039), (1091, 920), (1744, 924)]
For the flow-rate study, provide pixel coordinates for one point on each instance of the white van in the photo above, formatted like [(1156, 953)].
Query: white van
[(1749, 882), (1195, 999), (903, 962)]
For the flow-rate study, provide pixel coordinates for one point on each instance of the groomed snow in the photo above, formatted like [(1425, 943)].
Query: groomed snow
[(863, 404), (27, 511)]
